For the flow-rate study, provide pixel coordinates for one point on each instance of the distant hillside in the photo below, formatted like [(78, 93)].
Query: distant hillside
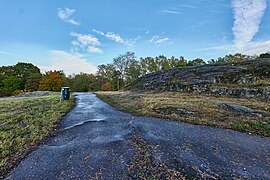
[(240, 79)]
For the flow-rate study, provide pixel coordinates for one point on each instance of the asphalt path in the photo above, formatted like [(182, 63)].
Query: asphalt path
[(94, 143)]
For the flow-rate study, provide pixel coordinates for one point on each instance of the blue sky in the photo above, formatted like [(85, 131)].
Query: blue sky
[(78, 35)]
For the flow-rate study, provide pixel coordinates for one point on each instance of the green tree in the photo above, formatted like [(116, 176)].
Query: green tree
[(24, 71), (265, 55), (195, 62), (68, 81), (82, 82), (122, 63), (236, 57), (181, 62), (10, 84), (133, 72), (32, 82)]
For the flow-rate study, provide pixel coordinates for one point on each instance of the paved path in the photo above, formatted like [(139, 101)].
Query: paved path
[(94, 142)]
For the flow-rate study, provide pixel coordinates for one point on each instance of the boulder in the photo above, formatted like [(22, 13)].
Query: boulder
[(238, 109)]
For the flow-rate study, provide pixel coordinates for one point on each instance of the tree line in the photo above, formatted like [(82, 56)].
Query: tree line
[(124, 69)]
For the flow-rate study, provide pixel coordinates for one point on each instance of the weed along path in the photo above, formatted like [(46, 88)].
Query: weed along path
[(98, 142)]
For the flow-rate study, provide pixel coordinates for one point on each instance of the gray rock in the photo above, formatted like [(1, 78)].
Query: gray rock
[(236, 108), (173, 110), (37, 93), (211, 79)]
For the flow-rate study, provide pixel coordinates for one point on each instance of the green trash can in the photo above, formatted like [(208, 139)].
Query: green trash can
[(65, 93)]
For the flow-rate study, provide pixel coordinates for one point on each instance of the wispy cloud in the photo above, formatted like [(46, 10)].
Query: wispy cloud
[(252, 48), (93, 49), (160, 40), (14, 55), (6, 53), (68, 62), (65, 14), (188, 6), (169, 11), (85, 42), (117, 38), (247, 18), (256, 48)]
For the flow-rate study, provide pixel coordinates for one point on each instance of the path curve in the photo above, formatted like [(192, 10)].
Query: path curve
[(94, 142)]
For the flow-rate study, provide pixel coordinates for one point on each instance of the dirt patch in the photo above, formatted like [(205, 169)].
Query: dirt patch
[(145, 166)]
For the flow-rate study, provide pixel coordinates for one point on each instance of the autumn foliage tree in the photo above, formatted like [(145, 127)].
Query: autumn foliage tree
[(107, 86), (51, 81)]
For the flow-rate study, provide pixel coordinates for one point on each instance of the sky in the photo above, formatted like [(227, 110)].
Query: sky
[(78, 35)]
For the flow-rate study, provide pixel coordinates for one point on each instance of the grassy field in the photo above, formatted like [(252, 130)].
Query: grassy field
[(25, 122), (197, 109)]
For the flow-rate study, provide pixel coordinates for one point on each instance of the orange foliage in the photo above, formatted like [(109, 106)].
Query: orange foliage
[(107, 86), (52, 81)]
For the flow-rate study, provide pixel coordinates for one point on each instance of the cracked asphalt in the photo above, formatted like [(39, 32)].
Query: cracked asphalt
[(93, 143)]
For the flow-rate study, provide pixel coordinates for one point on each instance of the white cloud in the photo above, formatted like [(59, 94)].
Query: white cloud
[(65, 15), (162, 40), (159, 40), (85, 42), (252, 48), (86, 39), (167, 11), (93, 49), (247, 19), (69, 63), (188, 6), (117, 38), (256, 48)]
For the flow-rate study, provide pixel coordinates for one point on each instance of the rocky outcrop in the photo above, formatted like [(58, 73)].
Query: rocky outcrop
[(239, 109), (37, 94), (243, 79)]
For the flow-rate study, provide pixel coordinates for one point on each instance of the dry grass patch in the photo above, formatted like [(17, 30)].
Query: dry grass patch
[(145, 166), (193, 108)]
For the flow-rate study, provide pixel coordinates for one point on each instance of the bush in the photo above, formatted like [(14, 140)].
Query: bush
[(16, 92)]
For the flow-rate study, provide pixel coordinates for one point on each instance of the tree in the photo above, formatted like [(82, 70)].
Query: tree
[(122, 63), (149, 65), (181, 62), (116, 80), (32, 82), (133, 72), (82, 82), (10, 84), (265, 55), (24, 71), (236, 57), (107, 86), (195, 62), (68, 81), (51, 81)]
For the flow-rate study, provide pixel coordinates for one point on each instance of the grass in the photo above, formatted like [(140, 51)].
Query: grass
[(204, 109), (25, 122)]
